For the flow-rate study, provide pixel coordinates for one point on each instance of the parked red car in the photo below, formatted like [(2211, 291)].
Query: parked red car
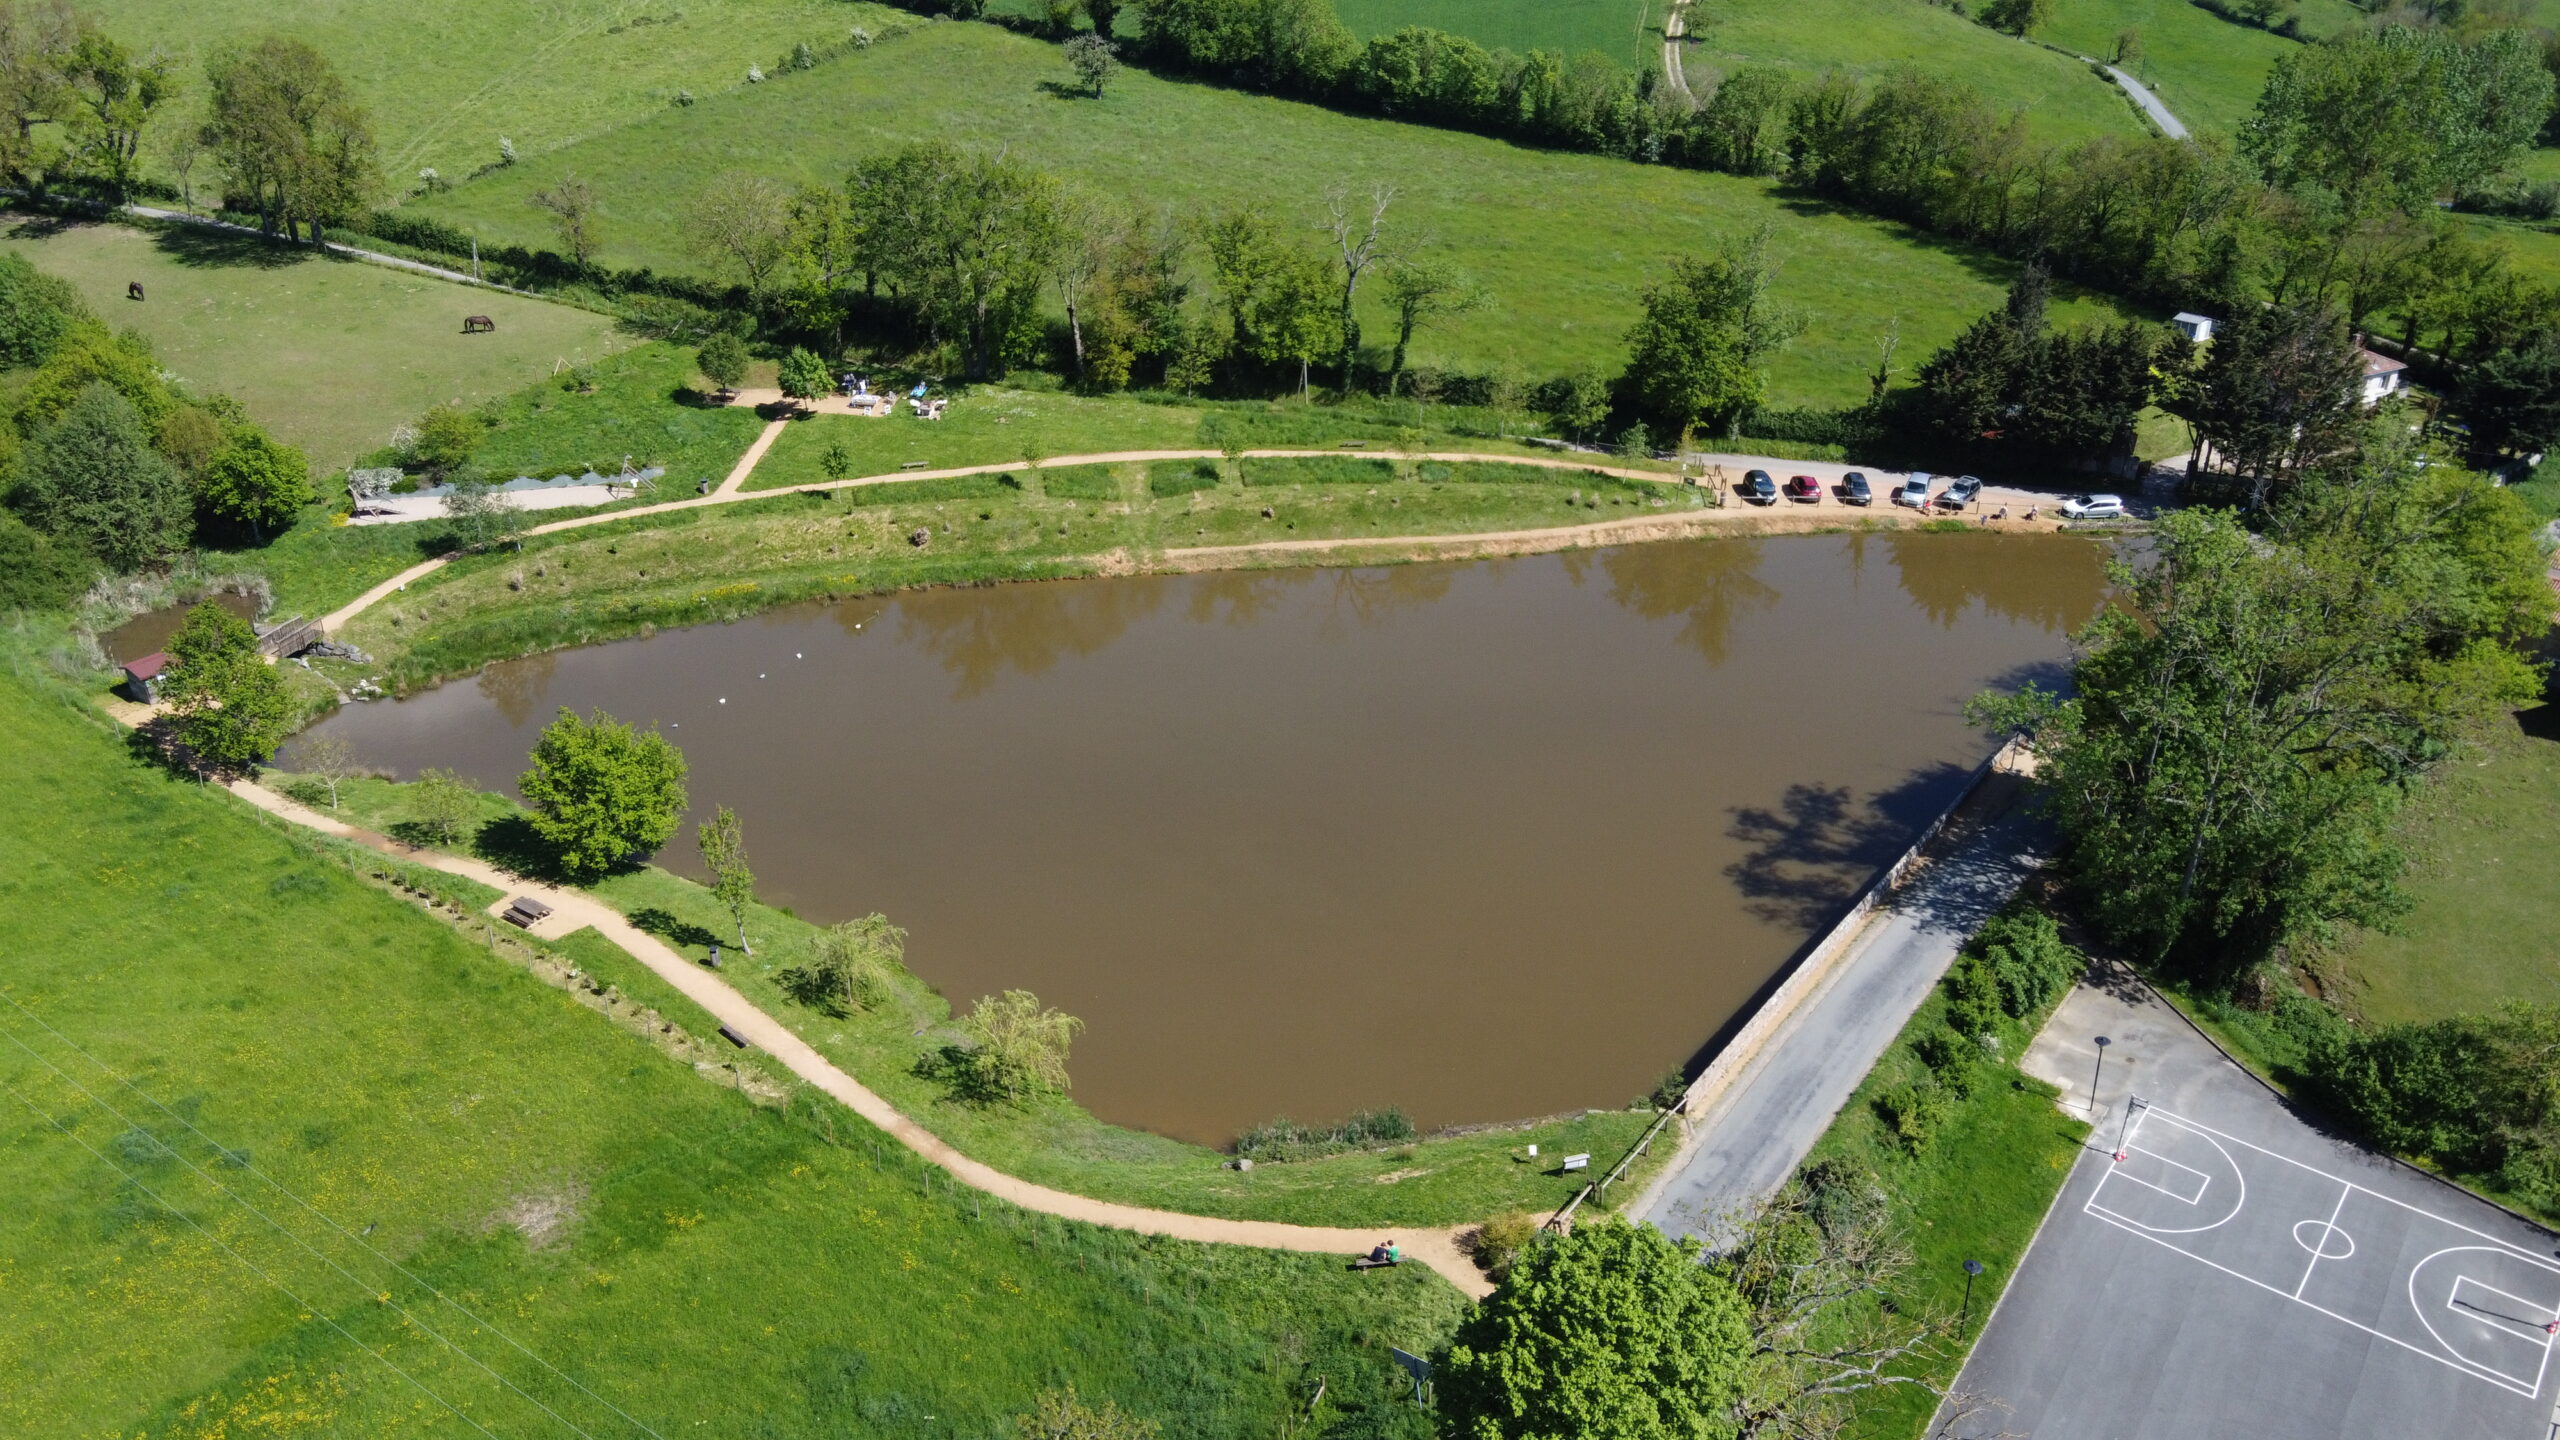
[(1804, 488)]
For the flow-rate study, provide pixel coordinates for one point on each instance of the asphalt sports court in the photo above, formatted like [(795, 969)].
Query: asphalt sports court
[(2345, 1254)]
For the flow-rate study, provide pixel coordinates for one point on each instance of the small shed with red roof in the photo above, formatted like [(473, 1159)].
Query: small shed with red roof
[(142, 677)]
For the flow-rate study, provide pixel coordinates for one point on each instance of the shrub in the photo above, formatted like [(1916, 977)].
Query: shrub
[(850, 967), (1950, 1058), (36, 311), (91, 478), (447, 435), (1499, 1241), (1275, 1141), (2029, 961), (1017, 1047), (37, 572), (439, 806), (1915, 1112)]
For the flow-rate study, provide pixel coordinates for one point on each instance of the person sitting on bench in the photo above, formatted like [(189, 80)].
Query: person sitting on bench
[(1386, 1253)]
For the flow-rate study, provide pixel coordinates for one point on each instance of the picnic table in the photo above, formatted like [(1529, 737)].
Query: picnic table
[(525, 912)]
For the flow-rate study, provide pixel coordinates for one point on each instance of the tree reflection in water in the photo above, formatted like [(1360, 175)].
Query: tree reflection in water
[(2024, 578), (518, 687), (978, 635), (1713, 585)]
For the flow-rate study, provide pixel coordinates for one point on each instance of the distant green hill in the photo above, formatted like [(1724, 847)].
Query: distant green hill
[(2063, 100), (1565, 242)]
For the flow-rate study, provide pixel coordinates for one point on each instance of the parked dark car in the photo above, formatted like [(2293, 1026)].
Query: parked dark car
[(1759, 489), (1804, 489), (1854, 489)]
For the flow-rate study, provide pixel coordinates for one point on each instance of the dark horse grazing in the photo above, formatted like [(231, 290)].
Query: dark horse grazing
[(478, 325), (133, 289)]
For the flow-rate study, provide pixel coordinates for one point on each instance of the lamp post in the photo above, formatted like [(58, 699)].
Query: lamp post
[(2103, 1043), (1972, 1268)]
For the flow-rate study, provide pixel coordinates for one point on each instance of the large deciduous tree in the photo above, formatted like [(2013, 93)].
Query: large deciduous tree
[(254, 480), (742, 224), (230, 706), (37, 38), (92, 477), (602, 791), (1611, 1332), (1423, 291), (970, 240), (2393, 118), (294, 146), (2243, 726), (1696, 351), (113, 97)]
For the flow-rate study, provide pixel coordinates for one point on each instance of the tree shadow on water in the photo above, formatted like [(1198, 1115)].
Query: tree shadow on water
[(1811, 853)]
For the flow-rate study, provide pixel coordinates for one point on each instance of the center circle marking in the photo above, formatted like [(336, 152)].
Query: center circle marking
[(2323, 1239)]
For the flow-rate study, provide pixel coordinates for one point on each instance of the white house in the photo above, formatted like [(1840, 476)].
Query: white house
[(2197, 329), (2383, 377)]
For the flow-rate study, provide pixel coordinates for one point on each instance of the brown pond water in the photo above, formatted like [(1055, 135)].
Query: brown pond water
[(151, 631), (1484, 840)]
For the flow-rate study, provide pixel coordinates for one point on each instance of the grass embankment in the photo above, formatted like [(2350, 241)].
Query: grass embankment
[(1442, 1180), (996, 424), (540, 76), (329, 354), (1521, 220), (696, 1259), (1977, 1191), (720, 562)]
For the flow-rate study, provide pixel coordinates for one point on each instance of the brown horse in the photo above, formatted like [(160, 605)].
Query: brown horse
[(479, 325)]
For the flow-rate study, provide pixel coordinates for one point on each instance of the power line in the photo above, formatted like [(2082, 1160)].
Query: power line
[(306, 1306), (324, 1218)]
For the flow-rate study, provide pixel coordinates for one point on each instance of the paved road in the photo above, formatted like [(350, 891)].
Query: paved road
[(2169, 124), (2241, 1273), (1753, 1138)]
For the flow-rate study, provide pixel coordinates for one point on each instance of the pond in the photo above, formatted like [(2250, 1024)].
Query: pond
[(151, 631), (1485, 840)]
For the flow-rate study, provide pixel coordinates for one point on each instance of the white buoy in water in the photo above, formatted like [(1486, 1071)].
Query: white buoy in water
[(724, 699)]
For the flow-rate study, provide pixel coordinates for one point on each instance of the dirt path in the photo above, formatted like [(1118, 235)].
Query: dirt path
[(747, 463), (1674, 26), (574, 909)]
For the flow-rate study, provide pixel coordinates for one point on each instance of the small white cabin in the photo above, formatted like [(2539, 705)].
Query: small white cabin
[(2196, 329), (2383, 377)]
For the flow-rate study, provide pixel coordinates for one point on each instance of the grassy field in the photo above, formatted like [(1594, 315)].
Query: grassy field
[(1566, 288), (541, 75), (1977, 1192), (273, 1131), (2206, 69), (1627, 31), (330, 354), (1438, 1181), (2061, 99), (2486, 840)]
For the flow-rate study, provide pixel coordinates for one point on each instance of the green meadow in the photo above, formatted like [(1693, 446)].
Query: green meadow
[(1565, 287), (445, 85), (289, 1156), (329, 353), (2061, 99)]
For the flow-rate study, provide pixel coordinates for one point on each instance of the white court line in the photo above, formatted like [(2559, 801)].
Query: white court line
[(2237, 1179), (2533, 1330), (2203, 1181), (2444, 1354), (2345, 1189), (2452, 1294)]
